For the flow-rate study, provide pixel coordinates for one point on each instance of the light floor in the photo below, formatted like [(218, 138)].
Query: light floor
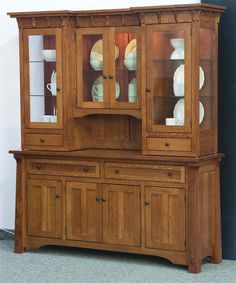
[(59, 264)]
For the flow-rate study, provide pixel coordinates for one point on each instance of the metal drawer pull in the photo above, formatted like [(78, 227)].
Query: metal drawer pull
[(170, 174), (147, 202), (86, 169), (42, 140), (167, 144), (117, 171)]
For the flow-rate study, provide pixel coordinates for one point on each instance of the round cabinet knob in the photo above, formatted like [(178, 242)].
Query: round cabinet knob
[(104, 76), (38, 166), (58, 89), (170, 174), (98, 198), (103, 199), (110, 76), (86, 169), (117, 171), (167, 144), (57, 195), (148, 89), (147, 202), (42, 140)]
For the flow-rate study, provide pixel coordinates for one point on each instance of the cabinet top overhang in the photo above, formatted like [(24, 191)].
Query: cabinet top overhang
[(131, 10)]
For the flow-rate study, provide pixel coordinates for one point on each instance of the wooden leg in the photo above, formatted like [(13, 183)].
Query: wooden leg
[(194, 265), (19, 227), (217, 246)]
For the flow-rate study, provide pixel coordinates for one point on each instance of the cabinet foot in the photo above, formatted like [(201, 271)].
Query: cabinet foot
[(194, 265)]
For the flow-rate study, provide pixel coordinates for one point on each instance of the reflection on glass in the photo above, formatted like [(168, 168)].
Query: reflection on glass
[(125, 67), (93, 67), (206, 94), (168, 78), (42, 72)]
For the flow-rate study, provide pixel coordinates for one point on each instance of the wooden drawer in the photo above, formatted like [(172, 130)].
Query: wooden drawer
[(147, 172), (64, 168), (169, 144), (43, 140)]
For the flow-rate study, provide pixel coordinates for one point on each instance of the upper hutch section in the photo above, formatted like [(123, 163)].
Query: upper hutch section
[(142, 78)]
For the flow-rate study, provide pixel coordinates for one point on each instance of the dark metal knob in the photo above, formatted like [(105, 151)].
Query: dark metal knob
[(110, 76), (57, 195), (148, 89), (98, 198), (42, 140), (85, 169), (147, 202), (38, 166), (167, 144), (117, 171), (103, 199), (169, 174), (104, 76), (58, 89)]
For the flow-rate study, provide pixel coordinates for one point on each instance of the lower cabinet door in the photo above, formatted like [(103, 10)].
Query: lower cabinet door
[(44, 208), (121, 214), (165, 218), (83, 211)]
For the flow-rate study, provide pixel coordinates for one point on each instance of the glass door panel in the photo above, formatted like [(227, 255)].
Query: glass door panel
[(124, 62), (92, 68), (168, 79), (206, 92), (43, 103)]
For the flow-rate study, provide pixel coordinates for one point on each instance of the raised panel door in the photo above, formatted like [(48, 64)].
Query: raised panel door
[(121, 214), (165, 218), (83, 211), (44, 210)]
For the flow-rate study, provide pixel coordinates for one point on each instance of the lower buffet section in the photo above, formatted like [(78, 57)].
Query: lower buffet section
[(168, 209)]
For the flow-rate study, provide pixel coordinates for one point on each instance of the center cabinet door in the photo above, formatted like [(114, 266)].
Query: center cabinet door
[(168, 92), (84, 211), (121, 214), (92, 68)]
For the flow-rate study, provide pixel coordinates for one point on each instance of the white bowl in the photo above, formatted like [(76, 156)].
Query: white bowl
[(96, 64), (177, 43), (178, 89), (130, 64), (49, 54)]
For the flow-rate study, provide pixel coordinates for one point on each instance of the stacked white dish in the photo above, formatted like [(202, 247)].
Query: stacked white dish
[(132, 91), (131, 55), (96, 55), (178, 84), (49, 55), (178, 45), (97, 90)]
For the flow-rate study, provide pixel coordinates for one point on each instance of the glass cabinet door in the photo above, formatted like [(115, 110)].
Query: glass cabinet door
[(168, 91), (42, 63), (92, 67), (124, 63)]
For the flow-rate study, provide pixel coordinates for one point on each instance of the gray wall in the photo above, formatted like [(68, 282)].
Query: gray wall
[(227, 123)]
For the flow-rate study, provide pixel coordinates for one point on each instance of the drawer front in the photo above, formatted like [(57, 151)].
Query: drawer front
[(65, 168), (43, 140), (169, 144), (149, 172)]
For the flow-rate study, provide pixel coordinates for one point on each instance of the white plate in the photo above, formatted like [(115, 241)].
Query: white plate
[(179, 112), (97, 50), (53, 77), (131, 47), (99, 80), (179, 76)]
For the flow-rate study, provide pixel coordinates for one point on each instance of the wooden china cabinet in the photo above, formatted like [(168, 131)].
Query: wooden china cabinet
[(119, 132)]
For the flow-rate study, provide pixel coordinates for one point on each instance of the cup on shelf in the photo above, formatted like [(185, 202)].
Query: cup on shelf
[(132, 92), (53, 88), (170, 121), (49, 55)]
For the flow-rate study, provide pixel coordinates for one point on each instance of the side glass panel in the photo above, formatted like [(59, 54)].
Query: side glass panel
[(93, 90), (126, 67), (206, 93), (42, 78), (168, 78)]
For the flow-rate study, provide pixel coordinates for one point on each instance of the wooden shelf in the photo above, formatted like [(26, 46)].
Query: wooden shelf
[(78, 113)]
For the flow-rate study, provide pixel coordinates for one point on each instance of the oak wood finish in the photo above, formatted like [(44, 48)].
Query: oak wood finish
[(111, 175)]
